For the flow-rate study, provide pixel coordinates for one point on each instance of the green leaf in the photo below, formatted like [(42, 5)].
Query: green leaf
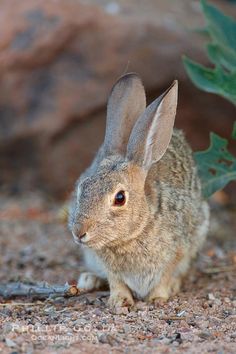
[(216, 165), (222, 56), (212, 80), (222, 28)]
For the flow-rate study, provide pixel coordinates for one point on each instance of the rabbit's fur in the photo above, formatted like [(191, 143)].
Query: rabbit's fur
[(144, 247)]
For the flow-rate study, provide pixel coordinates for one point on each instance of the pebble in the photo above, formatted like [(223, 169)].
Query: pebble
[(175, 343), (99, 327), (211, 297), (218, 302), (165, 340), (98, 312), (181, 313), (106, 338), (205, 335), (126, 328), (203, 324), (97, 302), (10, 343), (185, 329), (7, 327)]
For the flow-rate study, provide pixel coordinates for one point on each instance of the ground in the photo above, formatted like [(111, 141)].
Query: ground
[(36, 246)]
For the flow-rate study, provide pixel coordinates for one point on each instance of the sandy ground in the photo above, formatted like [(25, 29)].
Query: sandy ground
[(35, 246)]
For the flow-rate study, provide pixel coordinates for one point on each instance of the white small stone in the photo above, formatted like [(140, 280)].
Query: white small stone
[(211, 297), (10, 343), (218, 302), (181, 313)]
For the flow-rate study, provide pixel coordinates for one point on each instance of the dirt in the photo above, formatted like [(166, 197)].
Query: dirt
[(36, 246)]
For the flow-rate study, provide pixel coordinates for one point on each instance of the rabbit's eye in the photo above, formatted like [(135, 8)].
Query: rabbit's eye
[(119, 199)]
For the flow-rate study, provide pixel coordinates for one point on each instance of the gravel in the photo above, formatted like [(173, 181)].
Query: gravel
[(36, 246)]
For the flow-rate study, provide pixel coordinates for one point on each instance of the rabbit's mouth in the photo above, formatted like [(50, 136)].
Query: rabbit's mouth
[(90, 240), (80, 240)]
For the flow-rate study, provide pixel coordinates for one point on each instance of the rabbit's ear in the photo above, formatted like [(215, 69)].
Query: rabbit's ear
[(127, 101), (152, 132)]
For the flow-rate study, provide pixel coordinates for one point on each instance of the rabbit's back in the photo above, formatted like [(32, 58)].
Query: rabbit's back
[(177, 168), (176, 185)]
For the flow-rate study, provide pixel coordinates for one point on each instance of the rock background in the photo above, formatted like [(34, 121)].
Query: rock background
[(58, 61)]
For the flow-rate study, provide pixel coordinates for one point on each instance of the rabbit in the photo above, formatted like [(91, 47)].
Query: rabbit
[(137, 212)]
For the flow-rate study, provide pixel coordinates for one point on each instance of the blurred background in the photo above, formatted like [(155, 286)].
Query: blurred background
[(58, 62)]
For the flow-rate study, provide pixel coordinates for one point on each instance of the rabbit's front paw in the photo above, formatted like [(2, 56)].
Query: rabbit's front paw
[(120, 293), (89, 281), (162, 292), (120, 300), (158, 296), (157, 301)]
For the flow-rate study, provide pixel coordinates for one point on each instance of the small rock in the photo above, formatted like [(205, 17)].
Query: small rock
[(106, 338), (126, 328), (211, 297), (178, 338), (218, 302), (99, 327), (205, 335), (184, 329), (175, 343), (98, 302), (10, 343), (98, 312), (203, 324), (181, 313), (165, 340), (7, 327)]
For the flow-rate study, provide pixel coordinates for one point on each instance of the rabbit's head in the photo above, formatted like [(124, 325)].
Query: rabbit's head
[(111, 204)]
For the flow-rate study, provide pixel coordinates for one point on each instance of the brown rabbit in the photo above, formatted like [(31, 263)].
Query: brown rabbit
[(137, 211)]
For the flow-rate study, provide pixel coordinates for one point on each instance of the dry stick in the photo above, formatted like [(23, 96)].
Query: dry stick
[(41, 290), (172, 318), (12, 304), (215, 270)]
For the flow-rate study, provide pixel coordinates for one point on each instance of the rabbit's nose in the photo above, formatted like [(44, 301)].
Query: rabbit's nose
[(79, 231)]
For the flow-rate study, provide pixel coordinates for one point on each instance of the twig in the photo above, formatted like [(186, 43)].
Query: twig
[(12, 304), (172, 318), (215, 270), (38, 290)]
